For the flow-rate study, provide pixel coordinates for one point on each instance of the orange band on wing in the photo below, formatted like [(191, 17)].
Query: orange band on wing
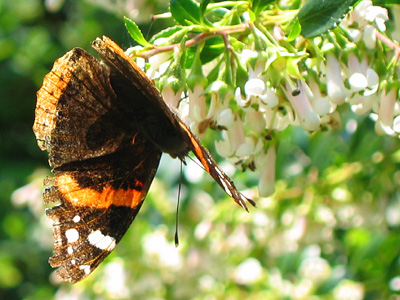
[(79, 196)]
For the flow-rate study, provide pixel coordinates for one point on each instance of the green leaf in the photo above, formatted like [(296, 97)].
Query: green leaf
[(292, 67), (217, 14), (295, 30), (260, 5), (203, 8), (384, 2), (196, 76), (213, 75), (212, 48), (317, 17), (242, 75), (185, 12), (166, 33), (135, 32)]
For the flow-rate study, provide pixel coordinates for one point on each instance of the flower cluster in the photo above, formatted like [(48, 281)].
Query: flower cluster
[(264, 83)]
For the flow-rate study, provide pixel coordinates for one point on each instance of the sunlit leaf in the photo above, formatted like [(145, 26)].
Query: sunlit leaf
[(317, 17), (295, 30), (185, 12), (260, 5), (135, 32)]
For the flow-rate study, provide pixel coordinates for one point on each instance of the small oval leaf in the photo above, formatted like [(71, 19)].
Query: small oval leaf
[(135, 32)]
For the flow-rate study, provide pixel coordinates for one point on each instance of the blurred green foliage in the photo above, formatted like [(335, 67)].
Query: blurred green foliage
[(331, 229), (31, 38)]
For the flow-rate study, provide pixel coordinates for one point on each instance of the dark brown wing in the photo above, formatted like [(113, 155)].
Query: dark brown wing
[(75, 97), (184, 140), (103, 164), (100, 197)]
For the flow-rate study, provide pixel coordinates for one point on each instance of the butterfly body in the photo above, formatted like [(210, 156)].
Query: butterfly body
[(105, 126)]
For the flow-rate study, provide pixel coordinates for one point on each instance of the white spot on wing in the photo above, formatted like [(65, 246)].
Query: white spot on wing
[(70, 250), (101, 241), (72, 235), (85, 268), (223, 181), (76, 219)]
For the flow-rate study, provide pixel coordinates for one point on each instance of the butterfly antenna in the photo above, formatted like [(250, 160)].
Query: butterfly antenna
[(150, 27), (197, 163), (177, 212)]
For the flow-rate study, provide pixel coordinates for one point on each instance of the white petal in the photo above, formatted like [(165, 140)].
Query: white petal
[(396, 124), (255, 120), (373, 82), (270, 99), (363, 104), (283, 121), (226, 118), (223, 148), (369, 36), (322, 106), (244, 149), (254, 87), (240, 100), (246, 55), (358, 82), (217, 85), (383, 129), (355, 35), (380, 23)]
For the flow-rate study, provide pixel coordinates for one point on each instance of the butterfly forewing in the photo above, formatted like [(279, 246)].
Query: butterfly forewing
[(103, 164), (74, 95)]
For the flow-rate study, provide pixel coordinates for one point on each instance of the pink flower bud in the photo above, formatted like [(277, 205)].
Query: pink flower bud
[(265, 164), (386, 112), (305, 114), (334, 80)]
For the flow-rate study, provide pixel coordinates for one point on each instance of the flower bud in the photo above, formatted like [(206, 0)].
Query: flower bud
[(226, 118), (369, 36), (386, 112), (265, 164), (305, 114), (334, 80)]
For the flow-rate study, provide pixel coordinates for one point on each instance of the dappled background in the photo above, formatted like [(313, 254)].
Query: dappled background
[(331, 230)]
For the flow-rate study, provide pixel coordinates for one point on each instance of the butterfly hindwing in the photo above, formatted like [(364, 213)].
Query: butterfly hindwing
[(100, 198)]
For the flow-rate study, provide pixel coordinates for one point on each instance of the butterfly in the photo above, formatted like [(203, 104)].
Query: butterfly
[(105, 126)]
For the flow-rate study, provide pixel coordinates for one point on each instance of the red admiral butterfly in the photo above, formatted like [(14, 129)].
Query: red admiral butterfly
[(105, 126)]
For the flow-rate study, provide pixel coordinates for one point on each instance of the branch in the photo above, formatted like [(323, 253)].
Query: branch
[(196, 40), (389, 43)]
